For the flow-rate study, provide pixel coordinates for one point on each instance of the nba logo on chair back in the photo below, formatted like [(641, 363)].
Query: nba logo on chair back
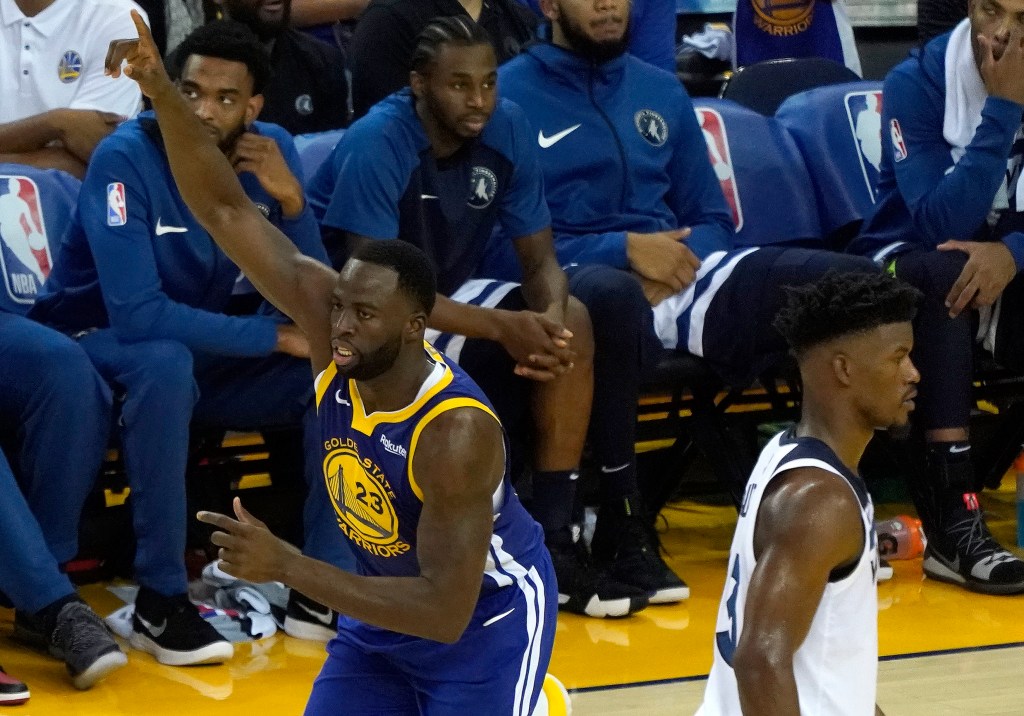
[(25, 258), (864, 110), (721, 159), (117, 210)]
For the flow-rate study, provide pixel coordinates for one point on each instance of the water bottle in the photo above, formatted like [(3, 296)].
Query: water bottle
[(900, 538), (1018, 467)]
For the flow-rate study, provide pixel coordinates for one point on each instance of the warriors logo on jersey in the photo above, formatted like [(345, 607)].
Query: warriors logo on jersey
[(864, 110), (361, 496), (69, 68), (25, 258), (713, 126)]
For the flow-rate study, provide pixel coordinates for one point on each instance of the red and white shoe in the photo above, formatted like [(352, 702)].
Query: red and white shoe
[(12, 691)]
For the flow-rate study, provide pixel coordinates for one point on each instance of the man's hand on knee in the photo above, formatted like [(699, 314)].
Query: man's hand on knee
[(989, 268)]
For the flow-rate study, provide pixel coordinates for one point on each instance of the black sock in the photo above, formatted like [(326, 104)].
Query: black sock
[(619, 482), (48, 614), (554, 493), (951, 477)]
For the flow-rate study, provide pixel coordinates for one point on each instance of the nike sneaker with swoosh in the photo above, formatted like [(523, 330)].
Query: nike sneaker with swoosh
[(73, 633), (969, 556), (309, 619), (626, 546), (171, 629)]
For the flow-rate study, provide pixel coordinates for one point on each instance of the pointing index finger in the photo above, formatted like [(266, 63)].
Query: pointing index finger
[(218, 520)]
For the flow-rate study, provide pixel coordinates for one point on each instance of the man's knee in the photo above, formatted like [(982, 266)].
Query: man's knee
[(931, 272), (577, 320), (612, 296)]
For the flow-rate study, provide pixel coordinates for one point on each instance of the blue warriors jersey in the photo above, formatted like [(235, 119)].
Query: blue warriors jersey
[(367, 467)]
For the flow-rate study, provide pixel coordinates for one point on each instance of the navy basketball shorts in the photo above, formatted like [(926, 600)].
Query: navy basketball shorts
[(487, 362), (726, 315), (497, 668)]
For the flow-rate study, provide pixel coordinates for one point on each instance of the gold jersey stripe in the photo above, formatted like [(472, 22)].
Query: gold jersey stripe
[(442, 407), (323, 381)]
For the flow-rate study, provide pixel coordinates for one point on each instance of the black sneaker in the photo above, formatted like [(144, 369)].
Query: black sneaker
[(968, 555), (171, 629), (79, 638), (582, 589), (12, 691), (627, 547), (309, 619)]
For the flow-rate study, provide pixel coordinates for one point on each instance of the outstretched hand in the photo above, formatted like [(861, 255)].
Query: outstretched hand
[(144, 64), (248, 550)]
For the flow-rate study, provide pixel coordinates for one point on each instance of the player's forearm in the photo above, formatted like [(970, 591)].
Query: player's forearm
[(406, 605), (47, 158), (202, 173), (546, 288), (29, 134), (766, 683), (462, 319), (208, 184)]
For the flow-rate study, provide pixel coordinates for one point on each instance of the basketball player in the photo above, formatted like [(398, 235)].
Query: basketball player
[(455, 602), (797, 628)]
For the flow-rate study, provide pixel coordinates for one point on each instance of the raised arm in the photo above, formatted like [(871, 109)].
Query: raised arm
[(301, 287), (457, 465), (807, 526)]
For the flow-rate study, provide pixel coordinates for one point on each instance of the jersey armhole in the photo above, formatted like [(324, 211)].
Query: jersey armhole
[(443, 407), (843, 571), (322, 382)]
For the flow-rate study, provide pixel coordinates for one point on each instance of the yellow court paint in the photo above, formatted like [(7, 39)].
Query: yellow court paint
[(661, 643)]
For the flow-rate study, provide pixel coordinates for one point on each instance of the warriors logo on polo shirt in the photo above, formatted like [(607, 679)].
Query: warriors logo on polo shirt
[(69, 68), (25, 258), (652, 126), (361, 496), (483, 186)]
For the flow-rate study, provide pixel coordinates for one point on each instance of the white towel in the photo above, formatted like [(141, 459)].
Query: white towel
[(965, 91)]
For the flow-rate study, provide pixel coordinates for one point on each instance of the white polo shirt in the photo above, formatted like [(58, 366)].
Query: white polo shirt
[(55, 59)]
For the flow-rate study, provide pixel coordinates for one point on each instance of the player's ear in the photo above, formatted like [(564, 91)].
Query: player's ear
[(253, 108), (417, 326), (417, 83), (842, 368), (549, 8)]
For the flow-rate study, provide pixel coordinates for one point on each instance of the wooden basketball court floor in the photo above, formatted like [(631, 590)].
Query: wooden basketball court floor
[(943, 650)]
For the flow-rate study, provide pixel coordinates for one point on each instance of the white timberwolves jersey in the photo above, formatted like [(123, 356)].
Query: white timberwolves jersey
[(836, 666)]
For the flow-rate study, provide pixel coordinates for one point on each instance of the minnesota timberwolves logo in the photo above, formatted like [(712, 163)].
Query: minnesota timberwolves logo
[(652, 126), (304, 104), (362, 502), (483, 185), (69, 68), (864, 112), (783, 17)]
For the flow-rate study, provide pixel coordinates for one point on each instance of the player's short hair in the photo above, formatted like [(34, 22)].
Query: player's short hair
[(415, 276), (441, 31), (839, 304), (225, 40)]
